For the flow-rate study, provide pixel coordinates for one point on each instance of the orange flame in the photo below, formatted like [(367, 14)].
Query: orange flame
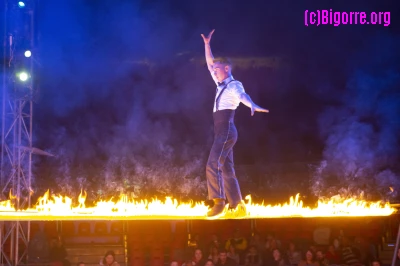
[(61, 208)]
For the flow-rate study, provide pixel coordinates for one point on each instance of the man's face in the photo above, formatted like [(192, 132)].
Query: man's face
[(222, 256), (198, 254), (174, 263), (320, 256), (109, 259), (220, 71), (336, 243), (276, 254), (375, 263), (208, 263), (309, 255)]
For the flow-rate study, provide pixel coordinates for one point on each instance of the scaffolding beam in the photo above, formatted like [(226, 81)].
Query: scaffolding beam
[(16, 133)]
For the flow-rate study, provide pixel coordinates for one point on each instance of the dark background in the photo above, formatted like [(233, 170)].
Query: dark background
[(125, 98)]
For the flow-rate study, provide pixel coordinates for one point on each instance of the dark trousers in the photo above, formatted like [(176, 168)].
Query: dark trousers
[(221, 178)]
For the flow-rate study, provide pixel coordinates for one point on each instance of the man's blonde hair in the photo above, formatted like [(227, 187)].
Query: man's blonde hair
[(223, 60)]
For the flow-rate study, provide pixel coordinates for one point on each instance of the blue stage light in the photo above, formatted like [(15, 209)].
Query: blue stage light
[(28, 53), (21, 4)]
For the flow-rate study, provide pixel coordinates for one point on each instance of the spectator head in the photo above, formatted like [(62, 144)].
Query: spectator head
[(309, 255), (270, 236), (232, 248), (375, 263), (223, 255), (276, 253), (253, 250), (313, 249), (320, 255), (214, 238), (214, 250), (80, 263), (209, 263), (189, 262), (198, 254), (292, 247), (271, 244), (109, 258), (174, 263), (336, 243), (331, 249)]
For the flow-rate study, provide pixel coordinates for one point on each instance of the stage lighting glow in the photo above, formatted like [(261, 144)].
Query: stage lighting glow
[(23, 76), (21, 4), (27, 53)]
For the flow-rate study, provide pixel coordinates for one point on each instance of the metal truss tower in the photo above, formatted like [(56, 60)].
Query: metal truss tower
[(16, 134)]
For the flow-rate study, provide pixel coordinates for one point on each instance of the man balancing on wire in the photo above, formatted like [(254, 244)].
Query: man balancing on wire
[(221, 179)]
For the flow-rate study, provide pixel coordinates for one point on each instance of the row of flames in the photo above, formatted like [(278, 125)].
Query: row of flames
[(53, 207)]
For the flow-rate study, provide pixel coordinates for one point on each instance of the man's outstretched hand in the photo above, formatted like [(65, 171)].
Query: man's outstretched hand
[(246, 100), (208, 38), (256, 108)]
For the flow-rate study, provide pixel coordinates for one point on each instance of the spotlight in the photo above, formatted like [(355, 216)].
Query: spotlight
[(23, 76), (27, 53), (21, 4)]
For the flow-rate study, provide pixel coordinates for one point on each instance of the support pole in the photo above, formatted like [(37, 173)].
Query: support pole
[(3, 106), (253, 226), (16, 134), (396, 247), (125, 230), (189, 228)]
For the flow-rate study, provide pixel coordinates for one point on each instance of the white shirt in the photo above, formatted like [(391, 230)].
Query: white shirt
[(230, 98)]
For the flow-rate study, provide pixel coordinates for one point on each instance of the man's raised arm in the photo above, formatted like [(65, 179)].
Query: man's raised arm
[(207, 48)]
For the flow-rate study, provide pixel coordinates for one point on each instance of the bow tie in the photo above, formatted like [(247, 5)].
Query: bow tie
[(221, 83)]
